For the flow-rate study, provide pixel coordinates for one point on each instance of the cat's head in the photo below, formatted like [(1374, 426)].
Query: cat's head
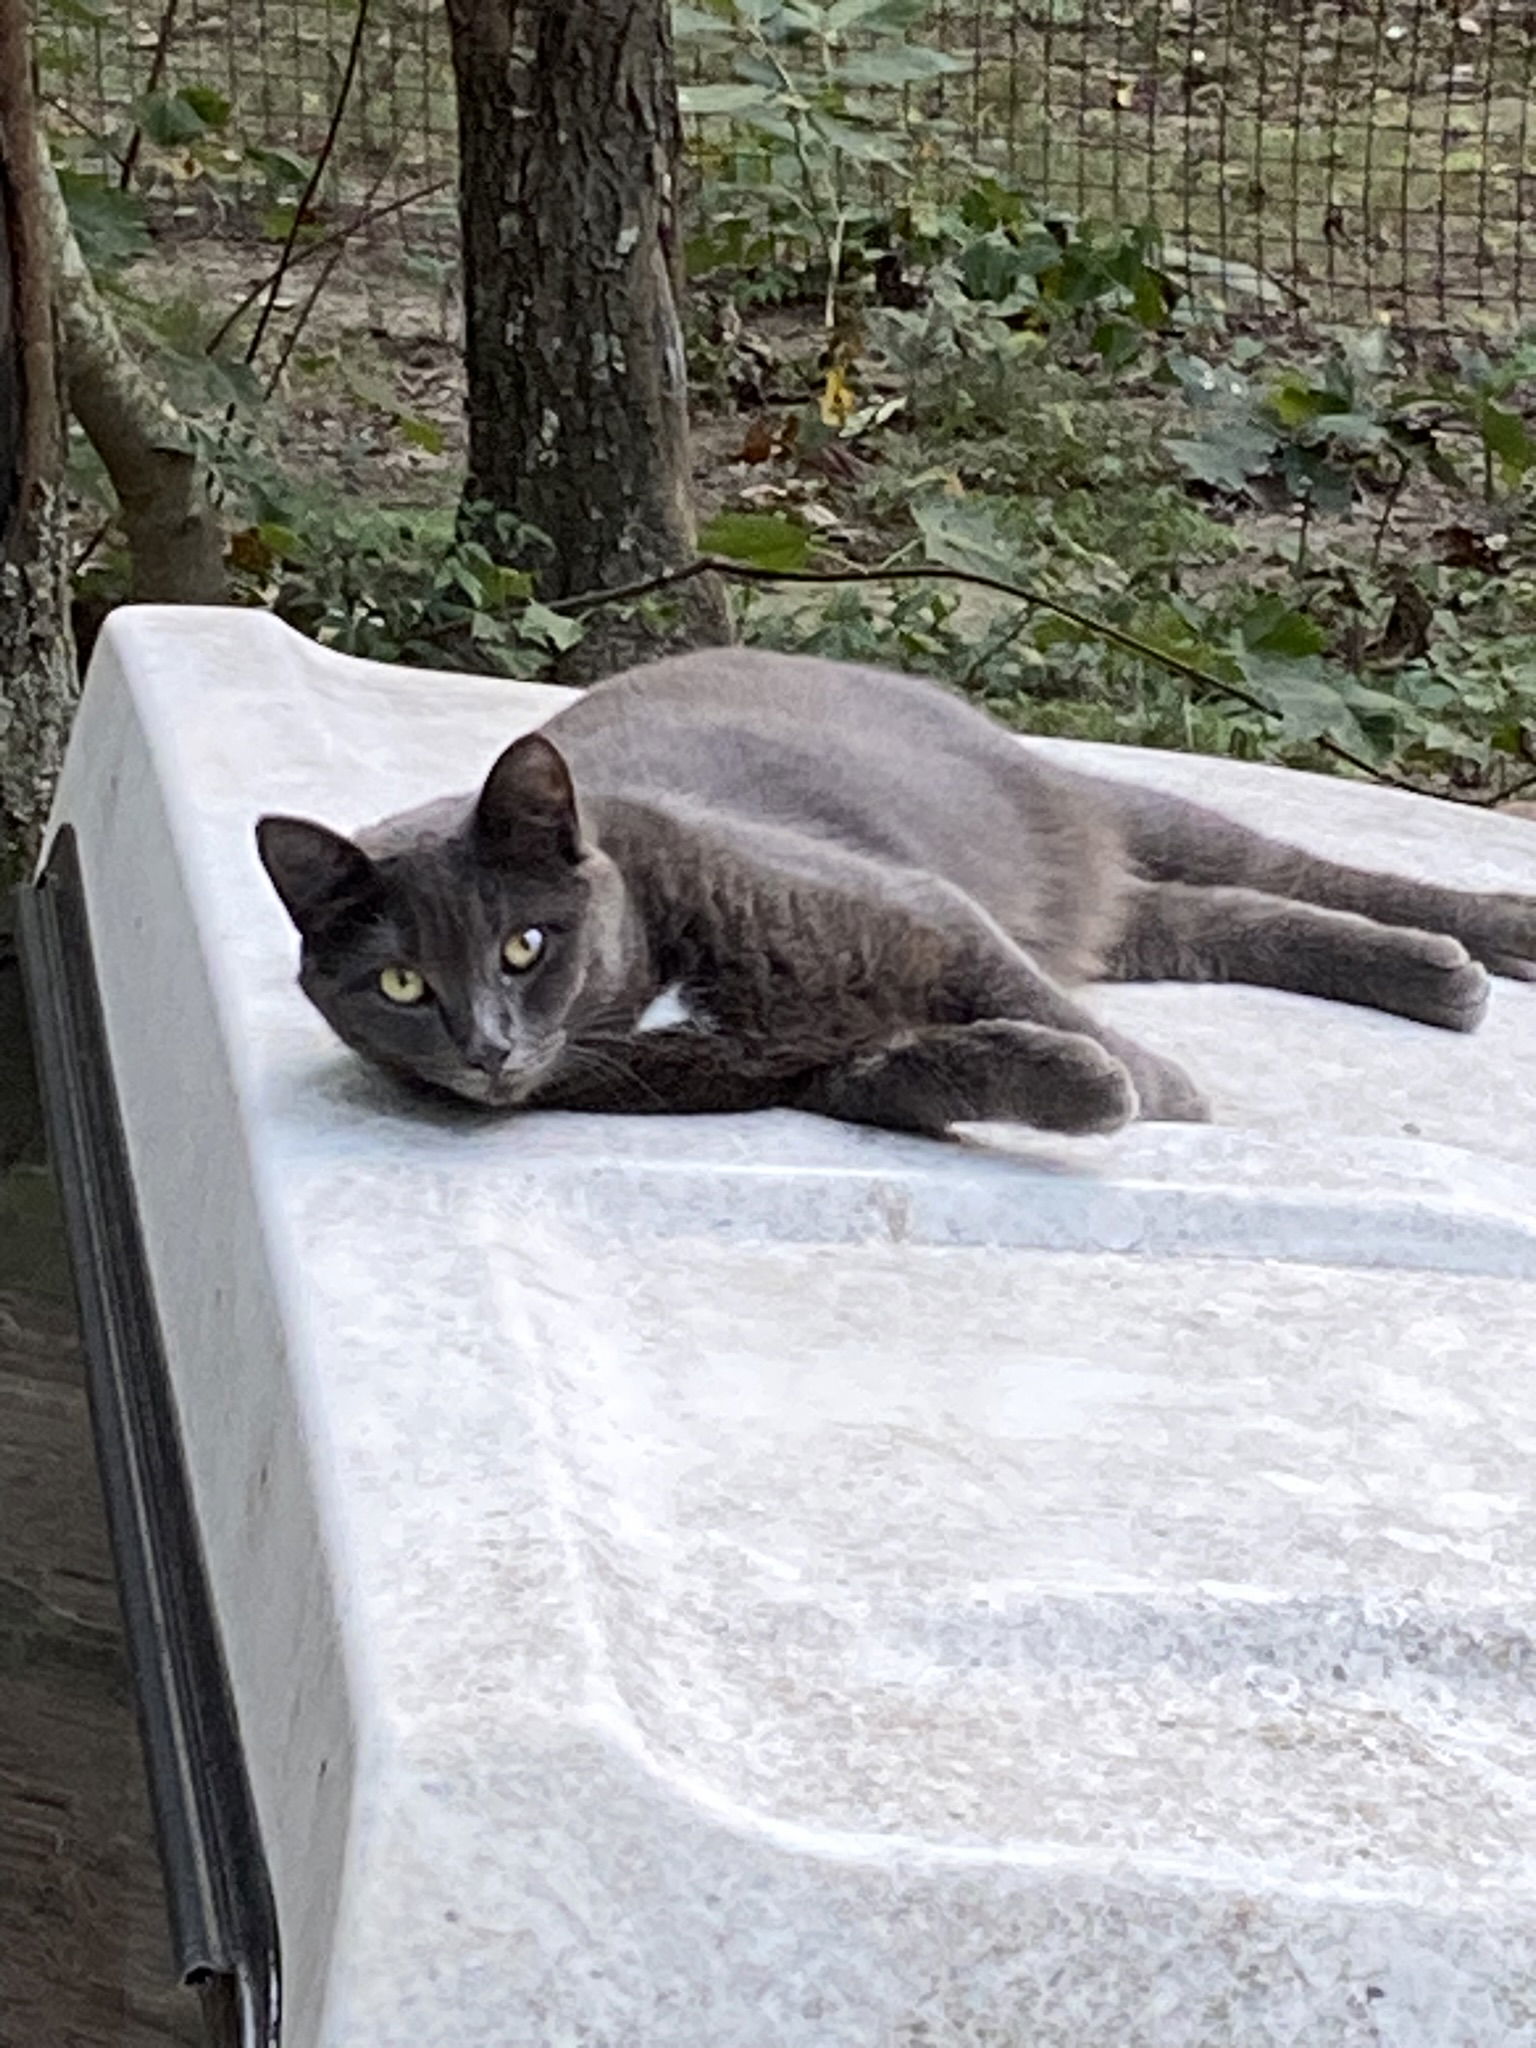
[(460, 953)]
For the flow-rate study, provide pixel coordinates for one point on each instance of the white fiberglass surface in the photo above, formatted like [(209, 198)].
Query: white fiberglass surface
[(938, 1543)]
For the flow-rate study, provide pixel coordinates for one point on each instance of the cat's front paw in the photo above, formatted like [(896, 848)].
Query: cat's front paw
[(1053, 1080)]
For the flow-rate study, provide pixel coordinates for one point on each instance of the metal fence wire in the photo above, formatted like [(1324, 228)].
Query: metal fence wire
[(1344, 159)]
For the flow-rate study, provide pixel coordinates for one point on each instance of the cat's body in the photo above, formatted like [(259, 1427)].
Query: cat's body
[(746, 879)]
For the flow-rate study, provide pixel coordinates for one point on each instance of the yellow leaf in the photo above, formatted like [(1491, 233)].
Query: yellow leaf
[(838, 398)]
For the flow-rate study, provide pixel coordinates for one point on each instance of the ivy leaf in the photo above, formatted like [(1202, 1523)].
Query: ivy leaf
[(907, 64), (1305, 700), (891, 14), (169, 119), (723, 99), (209, 105), (1226, 457), (868, 145), (1329, 487), (765, 539), (1272, 627), (966, 533), (1506, 435), (108, 222), (284, 169), (987, 204), (693, 21), (549, 629)]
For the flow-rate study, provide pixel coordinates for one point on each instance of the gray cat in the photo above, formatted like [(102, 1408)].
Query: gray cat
[(737, 880)]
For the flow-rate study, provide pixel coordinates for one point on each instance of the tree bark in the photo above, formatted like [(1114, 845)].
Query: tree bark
[(569, 139), (38, 684), (164, 494)]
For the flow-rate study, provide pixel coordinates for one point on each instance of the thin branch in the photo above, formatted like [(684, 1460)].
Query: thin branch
[(312, 186), (157, 64), (746, 572), (365, 219), (312, 299)]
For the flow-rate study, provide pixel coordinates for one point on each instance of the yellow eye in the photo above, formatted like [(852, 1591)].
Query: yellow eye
[(403, 985), (523, 949)]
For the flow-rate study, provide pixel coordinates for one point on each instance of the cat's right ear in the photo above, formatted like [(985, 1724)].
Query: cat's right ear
[(313, 869)]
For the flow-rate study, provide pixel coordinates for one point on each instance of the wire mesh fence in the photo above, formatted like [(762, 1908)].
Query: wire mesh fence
[(1341, 159)]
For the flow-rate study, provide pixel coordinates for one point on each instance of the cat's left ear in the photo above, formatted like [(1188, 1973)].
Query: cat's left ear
[(526, 813)]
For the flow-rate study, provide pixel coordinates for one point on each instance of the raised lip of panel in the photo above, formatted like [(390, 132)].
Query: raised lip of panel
[(218, 1892)]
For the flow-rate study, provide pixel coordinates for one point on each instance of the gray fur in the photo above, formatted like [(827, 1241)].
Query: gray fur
[(857, 895)]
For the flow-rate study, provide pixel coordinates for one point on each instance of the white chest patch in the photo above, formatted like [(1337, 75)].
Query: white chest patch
[(667, 1011)]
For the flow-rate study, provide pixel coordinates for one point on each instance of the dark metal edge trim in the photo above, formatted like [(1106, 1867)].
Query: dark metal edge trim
[(219, 1895)]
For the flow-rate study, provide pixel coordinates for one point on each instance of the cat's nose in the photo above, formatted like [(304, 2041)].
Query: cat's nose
[(488, 1057)]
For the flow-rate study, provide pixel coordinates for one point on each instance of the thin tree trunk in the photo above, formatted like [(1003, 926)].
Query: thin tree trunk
[(164, 493), (38, 685), (568, 137)]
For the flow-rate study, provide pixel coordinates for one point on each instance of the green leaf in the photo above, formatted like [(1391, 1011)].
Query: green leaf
[(987, 204), (280, 541), (1226, 457), (550, 629), (1506, 435), (108, 222), (867, 144), (892, 14), (723, 99), (284, 169), (1303, 696), (1295, 403), (765, 539), (1272, 627), (1117, 343), (907, 64), (990, 267), (169, 119), (1327, 486), (693, 21), (209, 105), (965, 533)]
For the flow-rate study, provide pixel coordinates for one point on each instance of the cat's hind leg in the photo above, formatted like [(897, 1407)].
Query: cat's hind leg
[(1175, 931), (1169, 839), (1000, 1070)]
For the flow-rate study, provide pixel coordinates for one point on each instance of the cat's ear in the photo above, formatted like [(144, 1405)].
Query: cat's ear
[(313, 869), (526, 811)]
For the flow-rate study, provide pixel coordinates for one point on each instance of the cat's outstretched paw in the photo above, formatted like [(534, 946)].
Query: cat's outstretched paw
[(1428, 976), (1500, 931)]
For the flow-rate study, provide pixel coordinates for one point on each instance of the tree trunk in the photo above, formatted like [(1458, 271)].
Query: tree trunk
[(37, 660), (568, 139), (164, 492)]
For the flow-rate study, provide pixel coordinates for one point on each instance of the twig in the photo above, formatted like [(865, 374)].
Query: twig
[(312, 186), (162, 50), (1389, 506), (327, 270), (746, 572), (366, 219)]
